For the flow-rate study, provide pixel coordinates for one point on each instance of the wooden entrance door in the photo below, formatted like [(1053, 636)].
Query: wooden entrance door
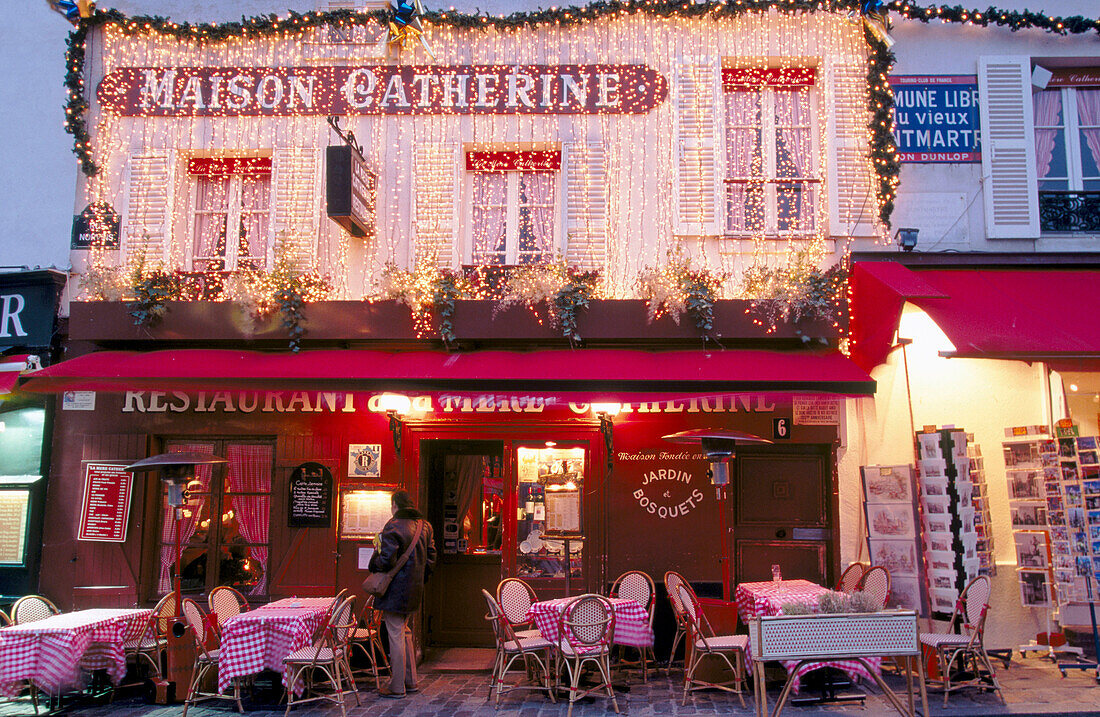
[(783, 512)]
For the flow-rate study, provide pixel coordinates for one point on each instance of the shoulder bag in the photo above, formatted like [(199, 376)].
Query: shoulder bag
[(378, 583)]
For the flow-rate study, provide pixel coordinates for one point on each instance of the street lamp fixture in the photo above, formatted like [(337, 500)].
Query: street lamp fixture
[(395, 405)]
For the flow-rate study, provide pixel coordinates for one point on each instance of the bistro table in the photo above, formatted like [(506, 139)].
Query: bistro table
[(768, 598), (631, 621), (50, 652), (260, 639)]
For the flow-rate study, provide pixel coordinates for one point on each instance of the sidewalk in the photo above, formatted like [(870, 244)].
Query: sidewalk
[(1031, 687)]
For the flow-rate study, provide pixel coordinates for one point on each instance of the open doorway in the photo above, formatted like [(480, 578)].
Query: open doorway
[(464, 501)]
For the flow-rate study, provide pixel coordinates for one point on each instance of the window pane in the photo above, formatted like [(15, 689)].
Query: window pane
[(475, 491), (1048, 108), (745, 207), (796, 206), (489, 217), (246, 518), (548, 479), (211, 211), (536, 217), (192, 530), (255, 200), (1050, 154), (743, 135)]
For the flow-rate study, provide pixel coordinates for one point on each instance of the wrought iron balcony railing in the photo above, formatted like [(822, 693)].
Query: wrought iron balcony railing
[(1069, 211)]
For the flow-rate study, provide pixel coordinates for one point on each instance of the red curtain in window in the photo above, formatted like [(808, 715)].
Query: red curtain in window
[(190, 515), (250, 472)]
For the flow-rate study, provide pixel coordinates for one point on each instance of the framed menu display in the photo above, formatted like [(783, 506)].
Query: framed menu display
[(363, 513), (15, 505), (563, 512), (105, 508)]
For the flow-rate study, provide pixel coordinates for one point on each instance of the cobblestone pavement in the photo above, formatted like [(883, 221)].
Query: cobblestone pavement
[(1031, 686)]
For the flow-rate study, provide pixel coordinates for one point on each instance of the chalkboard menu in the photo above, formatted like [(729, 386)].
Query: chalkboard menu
[(310, 497)]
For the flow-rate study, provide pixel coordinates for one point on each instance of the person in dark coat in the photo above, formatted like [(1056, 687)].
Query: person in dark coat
[(406, 590)]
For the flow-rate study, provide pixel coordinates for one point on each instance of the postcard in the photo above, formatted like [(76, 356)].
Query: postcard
[(888, 484), (890, 521), (1034, 588), (898, 556), (1086, 443), (1031, 549)]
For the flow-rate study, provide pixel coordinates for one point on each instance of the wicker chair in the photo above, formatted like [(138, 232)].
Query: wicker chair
[(876, 583), (849, 579), (515, 598), (226, 602), (205, 660), (368, 638), (703, 643), (964, 654), (511, 647), (329, 654), (587, 630), (31, 608), (4, 619), (673, 581), (140, 640), (638, 586)]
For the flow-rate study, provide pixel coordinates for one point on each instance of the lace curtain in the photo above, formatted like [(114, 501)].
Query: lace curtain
[(490, 214), (1048, 111), (744, 161), (1088, 112), (249, 471), (191, 515), (536, 216)]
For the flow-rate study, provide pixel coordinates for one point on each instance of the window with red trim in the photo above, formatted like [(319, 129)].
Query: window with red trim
[(230, 216), (773, 168), (514, 206)]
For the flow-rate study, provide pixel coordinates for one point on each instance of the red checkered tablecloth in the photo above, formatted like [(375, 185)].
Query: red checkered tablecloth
[(766, 598), (259, 639), (631, 621), (52, 652)]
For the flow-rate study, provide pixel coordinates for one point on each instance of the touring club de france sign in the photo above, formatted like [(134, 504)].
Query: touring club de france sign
[(381, 90)]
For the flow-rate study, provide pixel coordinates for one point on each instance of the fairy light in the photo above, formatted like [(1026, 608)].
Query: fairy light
[(635, 230)]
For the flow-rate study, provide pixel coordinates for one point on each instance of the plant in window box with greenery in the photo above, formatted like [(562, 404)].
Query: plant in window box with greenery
[(562, 289), (800, 290), (428, 291), (675, 289)]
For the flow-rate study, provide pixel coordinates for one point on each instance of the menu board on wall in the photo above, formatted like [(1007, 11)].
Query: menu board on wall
[(105, 509), (563, 511), (310, 503), (363, 513), (14, 506)]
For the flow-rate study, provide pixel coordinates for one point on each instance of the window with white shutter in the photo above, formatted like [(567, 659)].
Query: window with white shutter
[(514, 206), (1067, 157), (697, 146), (231, 212), (772, 187), (1008, 152), (147, 225), (296, 178), (435, 194), (853, 206)]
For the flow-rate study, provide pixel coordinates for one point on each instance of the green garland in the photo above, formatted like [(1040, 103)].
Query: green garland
[(444, 294), (884, 150), (578, 291)]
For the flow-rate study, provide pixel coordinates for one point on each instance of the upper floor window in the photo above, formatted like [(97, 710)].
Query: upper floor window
[(513, 207), (1067, 139), (230, 216), (772, 187)]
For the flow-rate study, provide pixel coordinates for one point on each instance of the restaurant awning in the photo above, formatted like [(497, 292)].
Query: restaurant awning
[(603, 370), (1025, 314)]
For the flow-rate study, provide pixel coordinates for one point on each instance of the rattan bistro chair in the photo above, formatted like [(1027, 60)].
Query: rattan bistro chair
[(205, 660), (673, 581), (638, 586), (512, 647), (963, 655), (515, 598), (703, 643), (876, 583), (586, 630), (849, 579), (31, 608), (329, 655), (226, 602), (367, 636), (140, 641)]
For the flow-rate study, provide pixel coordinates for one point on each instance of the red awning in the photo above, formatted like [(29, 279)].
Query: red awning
[(604, 370), (1026, 314)]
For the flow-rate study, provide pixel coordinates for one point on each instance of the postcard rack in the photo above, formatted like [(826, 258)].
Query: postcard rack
[(893, 538)]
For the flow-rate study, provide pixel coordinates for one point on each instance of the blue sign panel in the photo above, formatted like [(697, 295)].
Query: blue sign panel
[(936, 118)]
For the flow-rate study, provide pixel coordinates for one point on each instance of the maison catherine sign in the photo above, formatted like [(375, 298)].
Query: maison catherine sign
[(381, 90)]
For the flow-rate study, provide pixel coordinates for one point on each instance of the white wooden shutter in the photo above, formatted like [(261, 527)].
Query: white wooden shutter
[(1008, 152), (853, 206), (435, 192), (296, 174), (147, 226), (585, 179), (697, 194)]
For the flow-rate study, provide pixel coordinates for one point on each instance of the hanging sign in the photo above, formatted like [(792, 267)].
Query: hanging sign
[(310, 504), (936, 118), (105, 510), (351, 191), (381, 90)]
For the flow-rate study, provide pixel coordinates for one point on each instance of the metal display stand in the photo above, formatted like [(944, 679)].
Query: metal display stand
[(1095, 663)]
